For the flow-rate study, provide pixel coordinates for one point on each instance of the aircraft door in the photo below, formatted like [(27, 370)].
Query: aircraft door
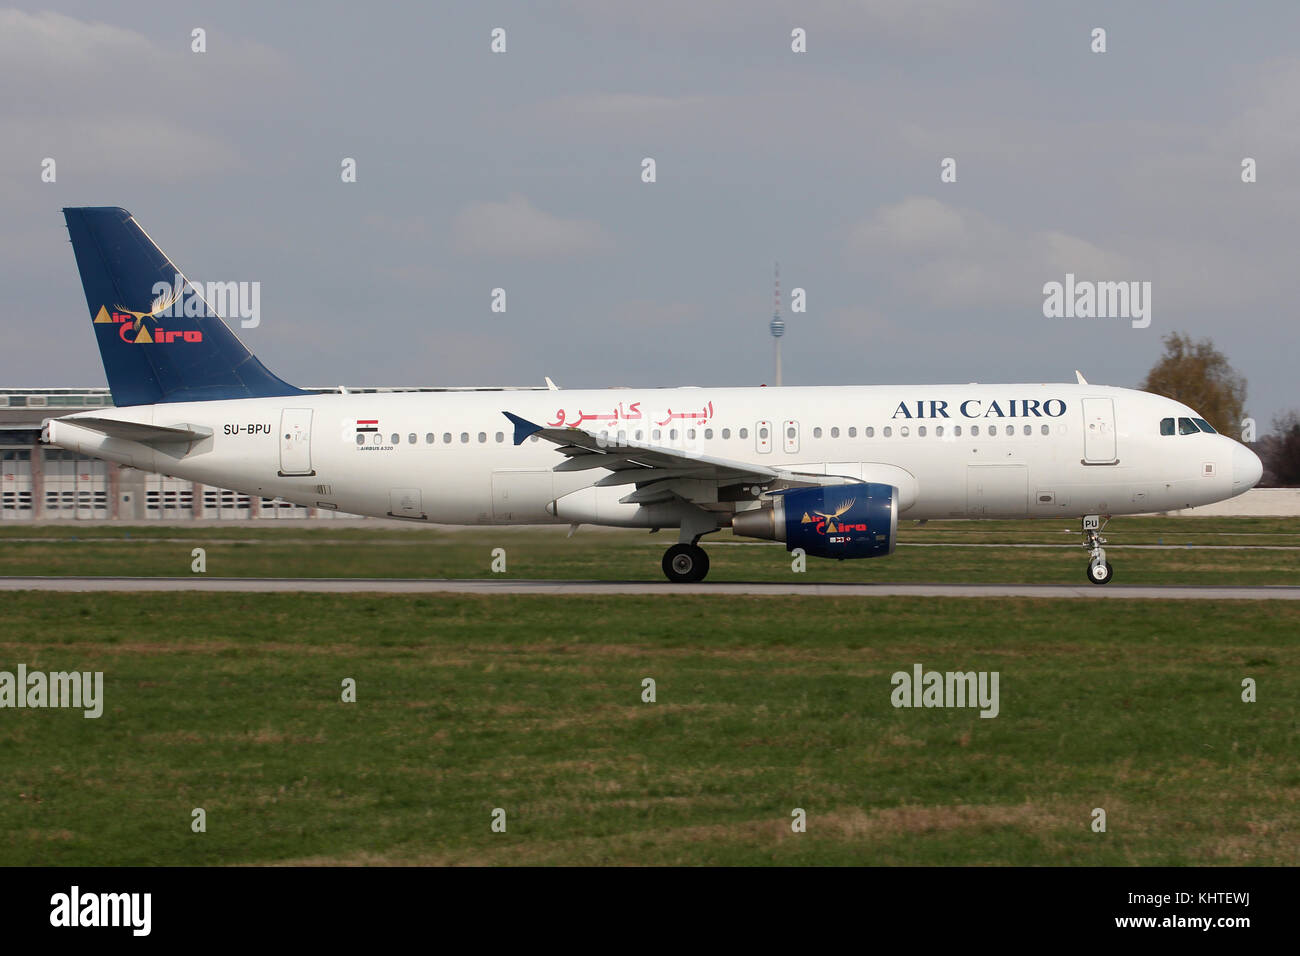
[(295, 442), (1099, 431), (790, 435)]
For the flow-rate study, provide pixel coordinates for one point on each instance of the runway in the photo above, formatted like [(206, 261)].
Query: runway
[(758, 588)]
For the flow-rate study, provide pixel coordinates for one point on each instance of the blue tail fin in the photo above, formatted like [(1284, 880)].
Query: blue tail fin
[(154, 346)]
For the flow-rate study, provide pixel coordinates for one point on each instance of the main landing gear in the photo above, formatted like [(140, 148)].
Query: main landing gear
[(686, 563), (1099, 569)]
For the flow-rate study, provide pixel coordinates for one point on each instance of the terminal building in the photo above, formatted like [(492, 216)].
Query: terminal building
[(43, 483)]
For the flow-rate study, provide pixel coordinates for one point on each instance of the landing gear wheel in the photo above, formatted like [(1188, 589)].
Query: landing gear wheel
[(685, 563), (1100, 573)]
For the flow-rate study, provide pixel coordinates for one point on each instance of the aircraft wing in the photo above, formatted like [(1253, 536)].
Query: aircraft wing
[(659, 473), (139, 431)]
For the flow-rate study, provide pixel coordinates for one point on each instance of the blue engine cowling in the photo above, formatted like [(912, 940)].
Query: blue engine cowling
[(832, 521)]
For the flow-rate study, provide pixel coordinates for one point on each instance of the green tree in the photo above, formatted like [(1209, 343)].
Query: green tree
[(1198, 375)]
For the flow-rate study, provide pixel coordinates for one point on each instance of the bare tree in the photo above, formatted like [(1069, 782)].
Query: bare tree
[(1280, 451)]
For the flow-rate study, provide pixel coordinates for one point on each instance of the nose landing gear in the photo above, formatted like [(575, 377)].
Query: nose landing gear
[(1099, 569)]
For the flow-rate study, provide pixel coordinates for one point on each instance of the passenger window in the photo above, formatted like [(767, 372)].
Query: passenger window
[(956, 430), (446, 438), (1187, 427), (835, 432), (690, 433), (428, 438), (464, 438), (1166, 426), (888, 432), (817, 432), (1046, 430), (938, 431), (974, 430), (501, 436), (361, 440), (762, 432), (482, 437), (904, 432), (743, 433), (655, 434), (708, 433), (638, 434), (397, 439), (1011, 429), (920, 431), (411, 438), (853, 431), (726, 433), (869, 431), (672, 434), (1204, 426), (1029, 429)]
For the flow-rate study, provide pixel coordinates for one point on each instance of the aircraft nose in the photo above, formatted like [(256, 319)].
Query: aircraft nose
[(1246, 469)]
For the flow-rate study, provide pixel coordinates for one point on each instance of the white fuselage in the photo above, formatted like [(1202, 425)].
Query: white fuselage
[(1010, 451)]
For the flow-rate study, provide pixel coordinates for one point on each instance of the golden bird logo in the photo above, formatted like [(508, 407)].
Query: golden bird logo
[(160, 304), (830, 518)]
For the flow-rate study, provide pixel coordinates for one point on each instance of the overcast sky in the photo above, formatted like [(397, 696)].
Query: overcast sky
[(522, 170)]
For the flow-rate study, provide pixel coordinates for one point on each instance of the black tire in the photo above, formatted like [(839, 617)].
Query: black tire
[(1110, 572), (685, 563)]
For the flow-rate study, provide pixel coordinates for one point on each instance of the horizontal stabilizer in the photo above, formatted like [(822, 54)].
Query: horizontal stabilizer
[(140, 431)]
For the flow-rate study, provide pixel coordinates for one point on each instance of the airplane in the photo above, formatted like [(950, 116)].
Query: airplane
[(830, 470)]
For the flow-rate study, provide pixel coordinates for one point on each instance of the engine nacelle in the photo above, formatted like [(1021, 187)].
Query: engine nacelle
[(832, 521)]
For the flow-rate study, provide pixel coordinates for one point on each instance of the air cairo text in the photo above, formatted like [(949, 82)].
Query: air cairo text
[(978, 408)]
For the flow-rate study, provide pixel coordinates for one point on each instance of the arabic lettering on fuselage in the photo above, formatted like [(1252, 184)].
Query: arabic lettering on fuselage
[(626, 413)]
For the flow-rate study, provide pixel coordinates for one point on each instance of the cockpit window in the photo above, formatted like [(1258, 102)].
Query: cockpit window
[(1187, 427), (1204, 426), (1166, 426)]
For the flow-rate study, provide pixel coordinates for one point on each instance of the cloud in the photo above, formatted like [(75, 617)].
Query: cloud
[(125, 104), (930, 22), (517, 229), (947, 256)]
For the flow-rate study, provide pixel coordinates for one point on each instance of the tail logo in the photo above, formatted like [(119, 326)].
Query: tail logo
[(133, 331)]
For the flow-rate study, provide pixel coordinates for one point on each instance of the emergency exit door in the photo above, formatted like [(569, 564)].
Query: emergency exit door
[(295, 442)]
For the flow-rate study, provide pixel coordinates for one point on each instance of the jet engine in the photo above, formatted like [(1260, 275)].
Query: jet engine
[(831, 521)]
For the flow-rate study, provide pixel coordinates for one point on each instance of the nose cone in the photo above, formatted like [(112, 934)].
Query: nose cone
[(1246, 469)]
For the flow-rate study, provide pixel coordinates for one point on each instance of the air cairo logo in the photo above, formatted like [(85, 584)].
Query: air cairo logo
[(825, 523), (133, 330)]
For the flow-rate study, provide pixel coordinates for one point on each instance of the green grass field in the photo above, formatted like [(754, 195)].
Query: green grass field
[(1206, 551), (231, 703)]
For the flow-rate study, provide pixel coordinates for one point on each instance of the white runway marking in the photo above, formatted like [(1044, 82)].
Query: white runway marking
[(760, 588)]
